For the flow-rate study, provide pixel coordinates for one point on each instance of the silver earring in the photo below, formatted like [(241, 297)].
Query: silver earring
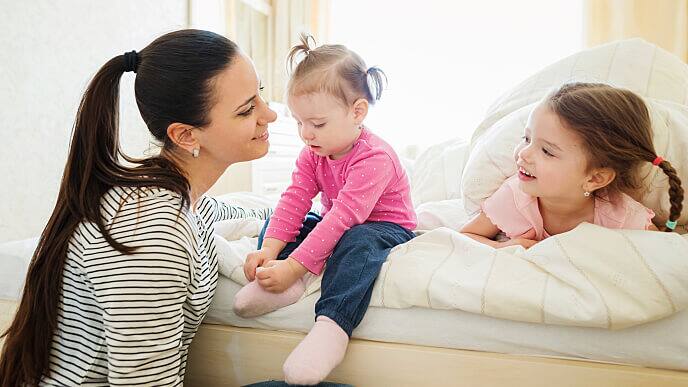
[(196, 152), (586, 194)]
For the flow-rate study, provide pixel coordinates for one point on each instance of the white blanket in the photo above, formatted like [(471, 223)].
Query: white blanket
[(591, 276)]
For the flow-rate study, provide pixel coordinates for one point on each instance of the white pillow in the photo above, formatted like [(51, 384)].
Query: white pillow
[(632, 64), (436, 173)]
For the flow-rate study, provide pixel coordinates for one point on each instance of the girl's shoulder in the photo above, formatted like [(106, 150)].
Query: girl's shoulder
[(511, 210), (619, 210)]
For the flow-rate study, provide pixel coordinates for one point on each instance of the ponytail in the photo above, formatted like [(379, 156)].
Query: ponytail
[(375, 83)]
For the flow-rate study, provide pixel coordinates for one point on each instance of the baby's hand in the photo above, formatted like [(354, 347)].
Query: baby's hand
[(526, 240), (256, 259), (278, 276)]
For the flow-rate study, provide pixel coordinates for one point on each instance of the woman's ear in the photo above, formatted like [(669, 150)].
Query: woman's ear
[(360, 110), (599, 178), (183, 136)]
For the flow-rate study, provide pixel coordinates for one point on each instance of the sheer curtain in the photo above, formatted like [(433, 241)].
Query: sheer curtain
[(663, 22)]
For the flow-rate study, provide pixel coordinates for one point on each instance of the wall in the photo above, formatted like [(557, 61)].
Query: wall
[(49, 50)]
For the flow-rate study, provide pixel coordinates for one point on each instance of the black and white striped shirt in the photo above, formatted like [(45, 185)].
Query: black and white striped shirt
[(129, 319)]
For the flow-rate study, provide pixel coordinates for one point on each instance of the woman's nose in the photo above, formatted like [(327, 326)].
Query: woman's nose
[(267, 117)]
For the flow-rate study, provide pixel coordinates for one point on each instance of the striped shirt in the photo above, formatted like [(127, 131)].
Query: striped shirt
[(129, 319)]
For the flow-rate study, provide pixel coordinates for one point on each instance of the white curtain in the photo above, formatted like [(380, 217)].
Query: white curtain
[(266, 31), (662, 22)]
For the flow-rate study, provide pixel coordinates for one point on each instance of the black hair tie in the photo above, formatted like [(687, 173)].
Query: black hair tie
[(131, 61)]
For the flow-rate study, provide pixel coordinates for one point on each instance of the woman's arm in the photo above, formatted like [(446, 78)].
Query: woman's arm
[(214, 210)]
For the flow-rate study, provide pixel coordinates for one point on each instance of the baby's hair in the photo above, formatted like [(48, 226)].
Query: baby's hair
[(616, 130), (333, 69)]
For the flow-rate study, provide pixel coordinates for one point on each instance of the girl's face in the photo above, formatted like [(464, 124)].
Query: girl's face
[(551, 159), (326, 126), (238, 129)]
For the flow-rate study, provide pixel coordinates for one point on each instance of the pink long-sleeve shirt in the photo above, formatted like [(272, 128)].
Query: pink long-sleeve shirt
[(367, 185)]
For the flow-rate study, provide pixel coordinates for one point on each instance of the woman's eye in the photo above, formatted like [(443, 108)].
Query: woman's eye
[(545, 151), (319, 125), (248, 111)]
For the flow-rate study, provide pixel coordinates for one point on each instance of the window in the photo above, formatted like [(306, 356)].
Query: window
[(448, 61)]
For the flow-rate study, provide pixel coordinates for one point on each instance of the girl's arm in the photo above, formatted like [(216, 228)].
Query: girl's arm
[(481, 229)]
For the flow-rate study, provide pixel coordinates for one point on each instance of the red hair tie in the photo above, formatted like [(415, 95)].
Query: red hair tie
[(658, 160)]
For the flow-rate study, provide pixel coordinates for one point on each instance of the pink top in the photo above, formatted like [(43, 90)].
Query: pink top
[(367, 185), (515, 212)]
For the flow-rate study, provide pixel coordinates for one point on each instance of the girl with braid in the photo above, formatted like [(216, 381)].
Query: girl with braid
[(579, 159)]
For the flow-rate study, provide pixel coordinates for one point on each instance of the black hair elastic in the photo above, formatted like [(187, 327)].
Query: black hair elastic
[(131, 61)]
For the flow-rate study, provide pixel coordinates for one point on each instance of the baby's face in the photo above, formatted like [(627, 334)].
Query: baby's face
[(325, 125), (550, 158)]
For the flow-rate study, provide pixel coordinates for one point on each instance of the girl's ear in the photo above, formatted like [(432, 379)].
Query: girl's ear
[(599, 178), (360, 110)]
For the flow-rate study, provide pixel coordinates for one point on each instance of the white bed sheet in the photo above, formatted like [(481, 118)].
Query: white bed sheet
[(660, 344)]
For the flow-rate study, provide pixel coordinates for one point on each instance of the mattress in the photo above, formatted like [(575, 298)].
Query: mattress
[(660, 344)]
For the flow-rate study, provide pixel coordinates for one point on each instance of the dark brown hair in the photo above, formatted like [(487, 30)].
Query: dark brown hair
[(616, 130), (333, 69), (173, 84)]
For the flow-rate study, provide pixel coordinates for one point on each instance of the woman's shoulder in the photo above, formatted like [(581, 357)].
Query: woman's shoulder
[(127, 204)]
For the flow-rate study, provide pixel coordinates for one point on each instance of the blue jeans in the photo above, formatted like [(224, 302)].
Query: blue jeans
[(351, 270)]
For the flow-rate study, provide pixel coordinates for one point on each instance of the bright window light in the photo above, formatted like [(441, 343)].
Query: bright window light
[(447, 61)]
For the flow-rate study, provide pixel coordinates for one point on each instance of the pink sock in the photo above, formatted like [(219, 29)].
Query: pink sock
[(317, 354), (252, 300)]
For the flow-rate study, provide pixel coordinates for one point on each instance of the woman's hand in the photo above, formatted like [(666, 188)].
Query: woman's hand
[(257, 259), (278, 276)]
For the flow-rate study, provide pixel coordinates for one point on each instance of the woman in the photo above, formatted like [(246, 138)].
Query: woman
[(126, 267)]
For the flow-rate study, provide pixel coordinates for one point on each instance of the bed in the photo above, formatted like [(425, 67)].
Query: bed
[(423, 343)]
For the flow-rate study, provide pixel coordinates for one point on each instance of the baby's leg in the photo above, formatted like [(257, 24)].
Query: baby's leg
[(347, 286), (252, 300)]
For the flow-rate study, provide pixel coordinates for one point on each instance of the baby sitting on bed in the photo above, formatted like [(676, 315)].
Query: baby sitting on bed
[(367, 205), (579, 157)]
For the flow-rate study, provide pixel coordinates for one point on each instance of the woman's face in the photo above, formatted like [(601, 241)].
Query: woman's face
[(238, 129)]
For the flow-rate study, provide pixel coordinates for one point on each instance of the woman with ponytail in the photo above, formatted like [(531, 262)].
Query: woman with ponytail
[(126, 267)]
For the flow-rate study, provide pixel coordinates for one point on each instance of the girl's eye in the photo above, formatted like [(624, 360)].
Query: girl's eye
[(248, 111), (526, 139)]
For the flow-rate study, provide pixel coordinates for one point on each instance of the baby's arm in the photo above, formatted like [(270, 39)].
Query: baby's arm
[(268, 252)]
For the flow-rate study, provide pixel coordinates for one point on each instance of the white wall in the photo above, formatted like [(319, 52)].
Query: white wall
[(49, 50)]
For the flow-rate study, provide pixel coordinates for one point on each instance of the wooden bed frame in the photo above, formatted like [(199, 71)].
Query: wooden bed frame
[(229, 356)]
